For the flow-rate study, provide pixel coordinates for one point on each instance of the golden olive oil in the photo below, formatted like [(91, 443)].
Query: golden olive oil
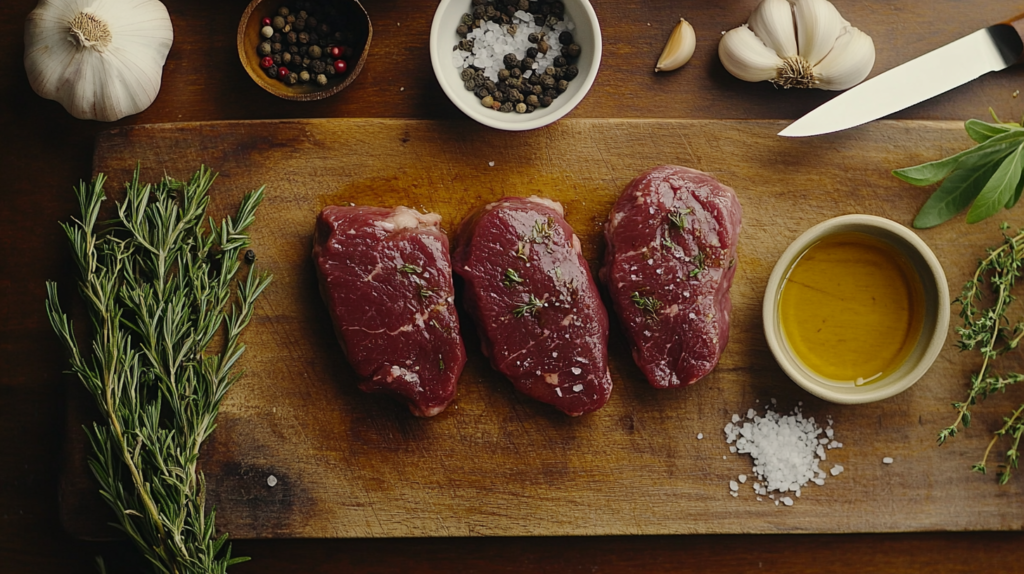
[(851, 308)]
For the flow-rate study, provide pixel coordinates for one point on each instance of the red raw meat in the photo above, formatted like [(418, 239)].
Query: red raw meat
[(669, 265), (386, 277), (538, 311)]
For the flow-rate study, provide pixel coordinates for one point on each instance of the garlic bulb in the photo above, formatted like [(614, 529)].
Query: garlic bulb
[(101, 59), (798, 44), (679, 48)]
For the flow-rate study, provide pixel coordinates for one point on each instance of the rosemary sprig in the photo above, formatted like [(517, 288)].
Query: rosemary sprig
[(678, 218), (157, 284), (409, 268), (529, 308), (512, 278), (648, 305), (989, 331), (699, 261)]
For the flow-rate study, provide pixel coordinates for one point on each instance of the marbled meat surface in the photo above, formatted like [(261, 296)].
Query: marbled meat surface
[(386, 277), (540, 317), (669, 264)]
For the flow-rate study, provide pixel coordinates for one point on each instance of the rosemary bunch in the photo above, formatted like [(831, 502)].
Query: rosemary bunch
[(158, 285), (988, 330)]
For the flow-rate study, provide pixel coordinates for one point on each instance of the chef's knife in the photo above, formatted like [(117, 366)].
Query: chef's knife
[(987, 50)]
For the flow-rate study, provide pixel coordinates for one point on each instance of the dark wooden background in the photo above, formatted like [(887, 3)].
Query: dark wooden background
[(44, 152)]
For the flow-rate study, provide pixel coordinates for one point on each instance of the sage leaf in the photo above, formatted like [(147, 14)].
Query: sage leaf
[(1000, 189), (954, 195), (981, 132), (1016, 194), (932, 172)]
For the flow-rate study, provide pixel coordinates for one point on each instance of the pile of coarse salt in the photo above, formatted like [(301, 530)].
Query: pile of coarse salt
[(786, 450), (492, 41)]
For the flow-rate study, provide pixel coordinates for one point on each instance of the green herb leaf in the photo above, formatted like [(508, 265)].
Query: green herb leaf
[(528, 308), (409, 268), (648, 305), (1000, 188), (512, 278), (981, 131), (954, 195), (932, 172)]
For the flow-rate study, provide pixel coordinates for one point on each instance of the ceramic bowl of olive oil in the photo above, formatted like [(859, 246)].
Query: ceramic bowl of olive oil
[(856, 309)]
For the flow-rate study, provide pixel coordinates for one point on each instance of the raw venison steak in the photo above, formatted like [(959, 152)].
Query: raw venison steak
[(538, 311), (386, 277), (669, 264)]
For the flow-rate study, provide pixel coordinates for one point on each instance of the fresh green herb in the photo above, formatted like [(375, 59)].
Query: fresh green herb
[(678, 218), (541, 231), (440, 363), (648, 305), (521, 252), (528, 308), (158, 287), (511, 278), (437, 325), (989, 175), (426, 292), (988, 330), (409, 268), (666, 242), (699, 261)]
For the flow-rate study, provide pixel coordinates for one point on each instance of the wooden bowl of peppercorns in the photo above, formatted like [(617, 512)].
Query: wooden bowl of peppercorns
[(304, 50)]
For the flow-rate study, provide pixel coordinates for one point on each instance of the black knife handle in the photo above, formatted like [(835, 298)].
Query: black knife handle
[(1009, 36)]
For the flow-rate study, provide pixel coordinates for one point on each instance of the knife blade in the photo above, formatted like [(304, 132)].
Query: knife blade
[(987, 50)]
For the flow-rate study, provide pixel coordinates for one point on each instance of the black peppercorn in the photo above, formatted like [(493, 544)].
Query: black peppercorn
[(313, 38), (572, 50), (293, 49), (315, 52), (466, 45), (482, 93), (470, 84), (558, 9), (516, 73), (545, 101), (318, 66), (528, 64), (532, 53), (276, 48), (537, 90), (299, 25), (271, 72), (292, 37), (503, 75), (545, 9), (490, 13), (524, 5), (321, 80), (329, 71), (277, 37), (571, 72), (293, 79), (510, 60), (532, 101), (533, 38), (467, 20), (499, 96), (551, 93), (467, 74), (515, 96), (491, 87), (278, 59), (514, 83), (286, 58), (510, 10), (479, 12), (278, 22), (478, 2), (303, 37), (559, 73), (462, 30), (302, 14), (565, 38), (312, 23), (283, 11), (530, 109), (543, 47), (264, 49), (507, 107), (547, 82), (562, 86), (561, 62), (250, 256)]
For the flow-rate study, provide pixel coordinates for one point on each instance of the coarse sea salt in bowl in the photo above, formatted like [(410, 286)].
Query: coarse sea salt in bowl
[(443, 38)]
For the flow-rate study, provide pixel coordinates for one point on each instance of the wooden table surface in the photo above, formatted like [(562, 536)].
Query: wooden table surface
[(45, 152)]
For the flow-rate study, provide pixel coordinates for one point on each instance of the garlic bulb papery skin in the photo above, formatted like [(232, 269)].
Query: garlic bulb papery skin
[(101, 59), (798, 44)]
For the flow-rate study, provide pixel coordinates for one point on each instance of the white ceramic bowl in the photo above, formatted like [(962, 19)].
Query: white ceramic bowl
[(933, 331), (443, 37)]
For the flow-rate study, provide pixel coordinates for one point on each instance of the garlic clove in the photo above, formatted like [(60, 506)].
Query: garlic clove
[(818, 24), (849, 62), (745, 56), (772, 22), (679, 48)]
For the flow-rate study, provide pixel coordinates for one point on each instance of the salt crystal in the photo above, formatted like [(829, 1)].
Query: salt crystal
[(743, 478), (577, 388), (576, 370), (887, 460), (700, 436), (733, 486), (836, 469), (787, 501), (735, 494), (490, 164), (271, 481)]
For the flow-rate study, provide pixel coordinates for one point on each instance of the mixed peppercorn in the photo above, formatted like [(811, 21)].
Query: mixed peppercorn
[(520, 86), (300, 46)]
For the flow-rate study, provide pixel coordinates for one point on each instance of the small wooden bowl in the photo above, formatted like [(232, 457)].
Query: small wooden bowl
[(355, 21)]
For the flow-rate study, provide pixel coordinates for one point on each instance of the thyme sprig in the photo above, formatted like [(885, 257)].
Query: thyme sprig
[(648, 305), (989, 331), (158, 286), (678, 218), (531, 307)]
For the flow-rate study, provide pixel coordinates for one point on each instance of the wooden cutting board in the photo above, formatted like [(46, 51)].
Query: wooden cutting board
[(497, 464)]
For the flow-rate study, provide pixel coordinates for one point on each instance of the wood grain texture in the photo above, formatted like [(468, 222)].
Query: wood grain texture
[(498, 464), (45, 151)]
